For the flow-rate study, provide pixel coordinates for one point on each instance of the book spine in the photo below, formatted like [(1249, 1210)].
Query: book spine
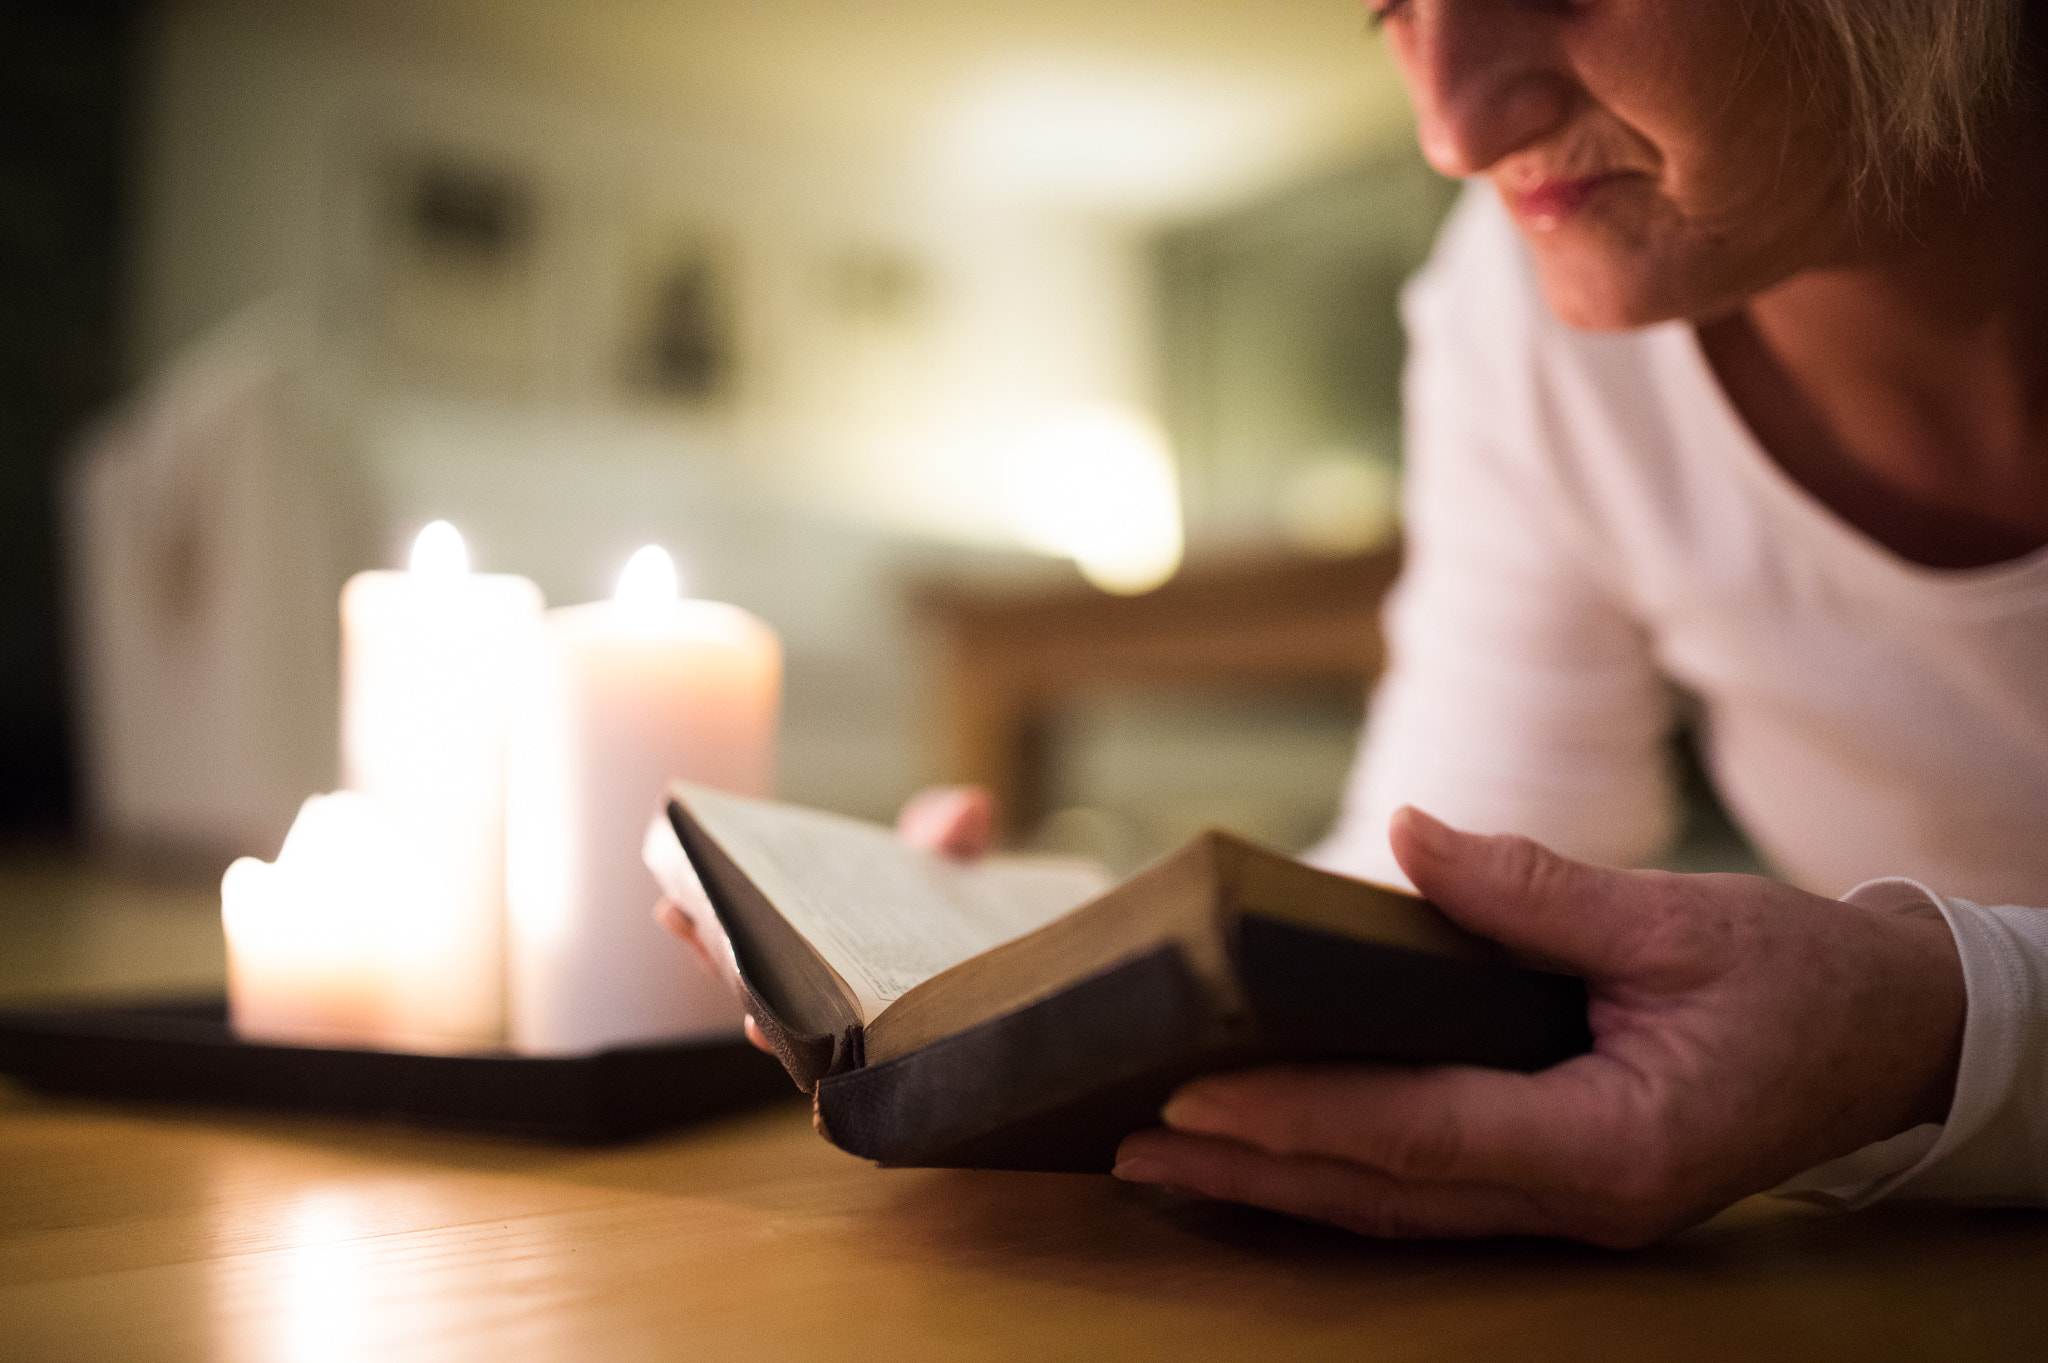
[(1053, 1085)]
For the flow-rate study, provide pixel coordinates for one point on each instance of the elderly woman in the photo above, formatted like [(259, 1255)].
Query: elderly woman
[(1729, 375)]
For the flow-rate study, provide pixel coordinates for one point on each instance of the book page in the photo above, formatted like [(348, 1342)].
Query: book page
[(883, 914)]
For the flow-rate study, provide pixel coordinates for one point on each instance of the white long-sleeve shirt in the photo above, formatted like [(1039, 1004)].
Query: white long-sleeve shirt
[(1591, 525)]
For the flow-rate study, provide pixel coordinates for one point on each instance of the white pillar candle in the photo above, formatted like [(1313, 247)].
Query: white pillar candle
[(431, 661), (632, 692), (334, 944)]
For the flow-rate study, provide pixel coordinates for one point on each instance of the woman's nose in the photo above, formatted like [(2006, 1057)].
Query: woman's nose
[(1484, 80)]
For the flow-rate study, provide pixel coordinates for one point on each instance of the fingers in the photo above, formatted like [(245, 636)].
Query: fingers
[(956, 821), (673, 917), (1348, 1195), (1452, 1124), (670, 915), (1524, 896)]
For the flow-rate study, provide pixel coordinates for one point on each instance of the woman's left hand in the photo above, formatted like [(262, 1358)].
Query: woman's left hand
[(1744, 1031)]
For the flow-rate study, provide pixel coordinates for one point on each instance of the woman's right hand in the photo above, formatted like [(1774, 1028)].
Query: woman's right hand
[(677, 920)]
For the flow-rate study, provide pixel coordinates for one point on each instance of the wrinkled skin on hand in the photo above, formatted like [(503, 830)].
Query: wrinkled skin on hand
[(1744, 1031)]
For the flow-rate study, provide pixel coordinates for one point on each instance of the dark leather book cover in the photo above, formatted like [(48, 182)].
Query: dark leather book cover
[(1056, 1083), (809, 1048)]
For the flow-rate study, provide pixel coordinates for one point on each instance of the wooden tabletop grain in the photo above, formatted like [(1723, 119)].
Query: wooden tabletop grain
[(171, 1233), (174, 1234)]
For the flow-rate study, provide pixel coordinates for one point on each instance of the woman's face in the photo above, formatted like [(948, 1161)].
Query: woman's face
[(1664, 158)]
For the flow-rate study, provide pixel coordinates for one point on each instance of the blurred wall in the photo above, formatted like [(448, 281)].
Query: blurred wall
[(267, 169), (1281, 343), (67, 85), (885, 335)]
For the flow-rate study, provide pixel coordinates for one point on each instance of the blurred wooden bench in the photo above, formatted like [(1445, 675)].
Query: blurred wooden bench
[(1011, 658)]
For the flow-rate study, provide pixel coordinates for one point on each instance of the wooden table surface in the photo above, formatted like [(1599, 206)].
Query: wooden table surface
[(155, 1233), (169, 1234)]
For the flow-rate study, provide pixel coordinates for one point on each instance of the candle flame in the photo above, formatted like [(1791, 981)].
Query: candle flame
[(649, 580), (439, 552)]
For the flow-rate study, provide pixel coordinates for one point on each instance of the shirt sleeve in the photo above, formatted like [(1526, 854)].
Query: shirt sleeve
[(1521, 693), (1992, 1148)]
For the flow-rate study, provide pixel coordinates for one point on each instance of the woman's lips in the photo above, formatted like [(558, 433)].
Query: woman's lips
[(1547, 203)]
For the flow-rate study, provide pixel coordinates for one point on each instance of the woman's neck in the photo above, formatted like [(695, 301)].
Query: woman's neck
[(1907, 388)]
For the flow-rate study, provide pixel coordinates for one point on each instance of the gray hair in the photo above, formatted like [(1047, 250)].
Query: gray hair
[(1915, 81)]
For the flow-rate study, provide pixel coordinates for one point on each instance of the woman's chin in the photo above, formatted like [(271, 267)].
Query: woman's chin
[(1592, 291), (1599, 274)]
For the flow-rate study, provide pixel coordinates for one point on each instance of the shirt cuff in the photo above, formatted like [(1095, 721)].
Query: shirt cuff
[(1949, 1160)]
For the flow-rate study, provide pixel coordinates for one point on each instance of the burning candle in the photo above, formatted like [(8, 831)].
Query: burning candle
[(431, 660), (334, 944), (630, 693)]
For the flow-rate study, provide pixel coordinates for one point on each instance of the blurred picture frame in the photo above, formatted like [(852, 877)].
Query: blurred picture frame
[(457, 285), (678, 323)]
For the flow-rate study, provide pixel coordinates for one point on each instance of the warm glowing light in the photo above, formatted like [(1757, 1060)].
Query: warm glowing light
[(345, 879), (1339, 503), (433, 662), (1097, 485), (1122, 137), (320, 1295), (439, 552), (335, 942), (649, 580)]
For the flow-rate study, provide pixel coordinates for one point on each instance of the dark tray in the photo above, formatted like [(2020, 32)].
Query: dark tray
[(183, 1051)]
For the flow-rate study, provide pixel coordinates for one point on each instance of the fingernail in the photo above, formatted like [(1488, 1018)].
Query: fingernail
[(1431, 832), (1188, 1111), (1139, 1171)]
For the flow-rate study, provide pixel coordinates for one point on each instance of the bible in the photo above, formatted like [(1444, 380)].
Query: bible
[(1023, 1012)]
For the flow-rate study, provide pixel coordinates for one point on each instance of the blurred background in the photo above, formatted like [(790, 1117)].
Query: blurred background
[(938, 333)]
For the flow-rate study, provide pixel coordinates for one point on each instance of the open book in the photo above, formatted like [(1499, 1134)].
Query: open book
[(1024, 1013)]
